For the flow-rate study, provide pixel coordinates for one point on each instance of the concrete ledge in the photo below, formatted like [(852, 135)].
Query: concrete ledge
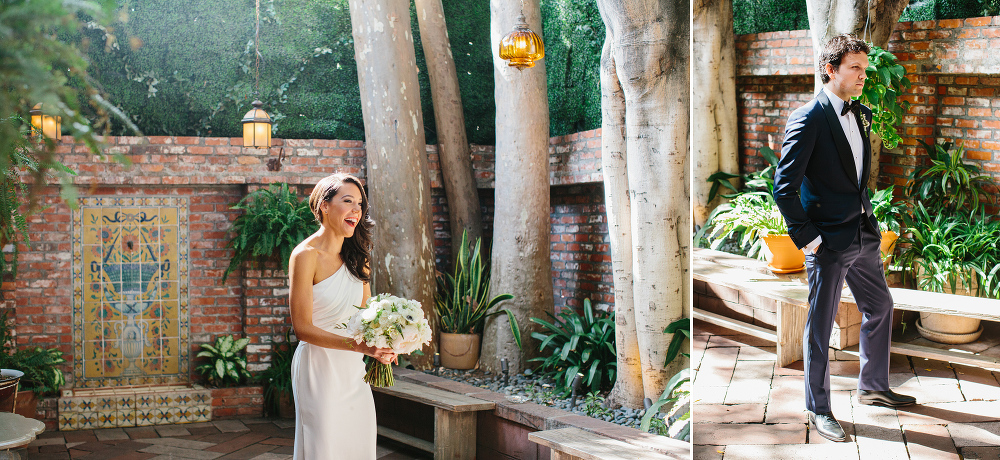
[(539, 417)]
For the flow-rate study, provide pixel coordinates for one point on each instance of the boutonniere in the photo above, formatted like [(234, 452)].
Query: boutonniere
[(865, 121)]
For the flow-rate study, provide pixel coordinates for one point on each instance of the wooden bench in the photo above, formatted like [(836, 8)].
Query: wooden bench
[(793, 307), (454, 420), (577, 444)]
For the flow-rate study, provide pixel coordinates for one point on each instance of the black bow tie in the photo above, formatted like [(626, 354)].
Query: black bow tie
[(853, 106)]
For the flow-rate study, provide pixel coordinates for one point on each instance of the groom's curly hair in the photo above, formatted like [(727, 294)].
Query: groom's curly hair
[(357, 249), (836, 49)]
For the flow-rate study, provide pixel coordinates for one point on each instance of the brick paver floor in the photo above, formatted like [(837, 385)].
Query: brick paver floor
[(745, 407), (248, 439)]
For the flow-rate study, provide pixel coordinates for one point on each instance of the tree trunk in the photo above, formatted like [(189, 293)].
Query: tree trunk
[(649, 47), (628, 383), (398, 182), (714, 145), (456, 162), (521, 264), (871, 21)]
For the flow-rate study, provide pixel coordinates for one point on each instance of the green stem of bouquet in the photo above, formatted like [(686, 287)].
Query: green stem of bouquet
[(379, 374)]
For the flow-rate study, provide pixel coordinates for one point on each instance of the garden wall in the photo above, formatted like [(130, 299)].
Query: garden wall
[(212, 174), (955, 95)]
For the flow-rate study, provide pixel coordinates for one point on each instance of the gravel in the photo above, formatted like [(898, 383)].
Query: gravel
[(542, 390)]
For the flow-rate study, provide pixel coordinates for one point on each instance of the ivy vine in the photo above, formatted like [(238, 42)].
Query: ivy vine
[(885, 84)]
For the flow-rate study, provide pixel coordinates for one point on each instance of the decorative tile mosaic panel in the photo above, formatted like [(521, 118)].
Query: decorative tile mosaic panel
[(121, 407), (130, 294)]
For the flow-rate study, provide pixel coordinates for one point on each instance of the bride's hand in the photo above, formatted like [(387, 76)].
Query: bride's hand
[(383, 355)]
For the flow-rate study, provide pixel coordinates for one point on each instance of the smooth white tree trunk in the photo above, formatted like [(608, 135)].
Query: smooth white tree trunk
[(628, 382), (714, 145), (456, 162), (651, 58), (398, 182), (521, 265)]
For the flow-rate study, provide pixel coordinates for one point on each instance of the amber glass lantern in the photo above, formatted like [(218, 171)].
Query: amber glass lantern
[(46, 125), (521, 47), (257, 127)]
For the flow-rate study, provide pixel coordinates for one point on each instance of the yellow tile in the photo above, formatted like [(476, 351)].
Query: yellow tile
[(93, 330), (170, 365), (111, 311), (154, 311), (169, 290), (169, 347), (92, 234), (169, 327), (113, 330), (168, 216), (168, 235), (152, 366), (92, 368)]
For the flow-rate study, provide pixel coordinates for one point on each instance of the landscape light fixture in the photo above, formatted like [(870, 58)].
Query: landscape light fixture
[(521, 47), (257, 123), (46, 125)]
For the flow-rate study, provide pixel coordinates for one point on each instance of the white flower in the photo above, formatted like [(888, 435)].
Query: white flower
[(369, 313)]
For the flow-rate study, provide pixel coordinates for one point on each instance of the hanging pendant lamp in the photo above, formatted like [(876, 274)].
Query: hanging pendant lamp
[(521, 47), (257, 123)]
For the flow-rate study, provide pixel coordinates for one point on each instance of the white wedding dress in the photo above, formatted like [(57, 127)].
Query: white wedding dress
[(334, 410)]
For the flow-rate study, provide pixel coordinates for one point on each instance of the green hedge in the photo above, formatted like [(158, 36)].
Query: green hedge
[(186, 67)]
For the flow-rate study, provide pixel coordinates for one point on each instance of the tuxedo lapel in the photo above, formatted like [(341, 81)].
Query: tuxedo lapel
[(866, 158), (839, 136)]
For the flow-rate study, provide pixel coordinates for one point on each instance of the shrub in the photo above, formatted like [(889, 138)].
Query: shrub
[(225, 366), (584, 344)]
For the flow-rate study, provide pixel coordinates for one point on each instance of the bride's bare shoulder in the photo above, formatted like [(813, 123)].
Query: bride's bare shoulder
[(305, 251)]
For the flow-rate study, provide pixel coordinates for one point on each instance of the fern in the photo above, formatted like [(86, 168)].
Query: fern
[(40, 366), (273, 222)]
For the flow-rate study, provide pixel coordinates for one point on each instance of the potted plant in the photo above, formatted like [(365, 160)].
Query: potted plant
[(40, 368), (755, 216), (949, 254), (887, 211), (953, 251), (226, 366), (462, 304), (278, 399), (274, 221)]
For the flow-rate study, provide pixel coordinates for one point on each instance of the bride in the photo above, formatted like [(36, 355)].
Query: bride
[(329, 275)]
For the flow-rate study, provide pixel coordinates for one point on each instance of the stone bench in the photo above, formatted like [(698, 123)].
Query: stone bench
[(454, 420), (576, 444), (721, 271)]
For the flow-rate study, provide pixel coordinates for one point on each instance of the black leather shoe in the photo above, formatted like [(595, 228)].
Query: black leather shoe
[(827, 426), (887, 398)]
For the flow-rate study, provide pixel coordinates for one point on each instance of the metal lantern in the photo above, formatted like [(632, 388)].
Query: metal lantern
[(521, 47), (46, 125), (257, 127)]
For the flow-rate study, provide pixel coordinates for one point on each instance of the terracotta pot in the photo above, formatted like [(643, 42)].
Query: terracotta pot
[(459, 351), (950, 329), (887, 246), (26, 404), (782, 255)]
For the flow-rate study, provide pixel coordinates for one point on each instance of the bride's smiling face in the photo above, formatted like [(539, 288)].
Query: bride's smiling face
[(343, 212)]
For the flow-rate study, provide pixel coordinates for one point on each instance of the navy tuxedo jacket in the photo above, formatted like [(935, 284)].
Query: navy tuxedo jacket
[(816, 182)]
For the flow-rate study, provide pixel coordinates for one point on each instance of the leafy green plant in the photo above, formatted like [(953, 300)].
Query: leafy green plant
[(274, 221), (748, 218), (462, 300), (949, 185), (575, 343), (886, 82), (593, 405), (40, 366), (757, 181), (675, 394), (887, 209), (278, 377), (226, 366), (947, 252)]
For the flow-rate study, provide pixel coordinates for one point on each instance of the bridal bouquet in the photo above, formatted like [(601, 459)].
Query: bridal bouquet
[(389, 322)]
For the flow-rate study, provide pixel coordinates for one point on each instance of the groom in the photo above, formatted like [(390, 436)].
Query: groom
[(820, 187)]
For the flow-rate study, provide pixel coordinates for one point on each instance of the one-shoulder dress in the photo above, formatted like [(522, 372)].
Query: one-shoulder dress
[(334, 409)]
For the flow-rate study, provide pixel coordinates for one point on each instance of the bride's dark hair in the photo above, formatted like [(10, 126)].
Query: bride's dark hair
[(356, 249)]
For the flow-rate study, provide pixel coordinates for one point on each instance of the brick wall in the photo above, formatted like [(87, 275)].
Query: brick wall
[(215, 173), (955, 93)]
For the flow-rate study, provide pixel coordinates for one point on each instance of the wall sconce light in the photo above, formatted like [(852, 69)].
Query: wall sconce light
[(46, 125)]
